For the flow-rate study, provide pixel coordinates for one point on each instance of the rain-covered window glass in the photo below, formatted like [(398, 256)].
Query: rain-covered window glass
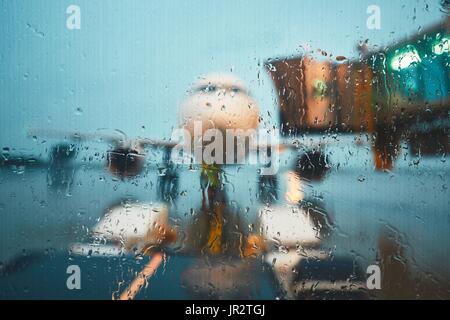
[(224, 149)]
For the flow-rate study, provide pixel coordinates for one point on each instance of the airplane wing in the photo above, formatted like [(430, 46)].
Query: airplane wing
[(7, 160), (116, 137)]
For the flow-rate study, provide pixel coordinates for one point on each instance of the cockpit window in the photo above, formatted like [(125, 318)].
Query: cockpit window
[(208, 88), (235, 89)]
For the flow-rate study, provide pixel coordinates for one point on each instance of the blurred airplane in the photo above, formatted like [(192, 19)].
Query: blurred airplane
[(220, 99), (217, 101), (216, 232)]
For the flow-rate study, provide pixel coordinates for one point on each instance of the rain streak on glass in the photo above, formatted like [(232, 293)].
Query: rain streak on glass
[(257, 150)]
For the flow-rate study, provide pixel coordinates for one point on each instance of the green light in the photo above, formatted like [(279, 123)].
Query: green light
[(441, 46), (405, 58), (320, 88)]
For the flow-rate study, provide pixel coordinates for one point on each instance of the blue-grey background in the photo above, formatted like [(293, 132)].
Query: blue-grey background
[(130, 65), (131, 62)]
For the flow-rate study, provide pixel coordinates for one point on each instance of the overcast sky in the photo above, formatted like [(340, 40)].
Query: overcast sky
[(132, 61)]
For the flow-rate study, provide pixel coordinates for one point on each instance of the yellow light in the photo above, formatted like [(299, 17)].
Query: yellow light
[(294, 192), (405, 59)]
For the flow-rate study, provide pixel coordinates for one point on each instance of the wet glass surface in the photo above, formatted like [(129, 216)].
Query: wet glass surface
[(98, 190)]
